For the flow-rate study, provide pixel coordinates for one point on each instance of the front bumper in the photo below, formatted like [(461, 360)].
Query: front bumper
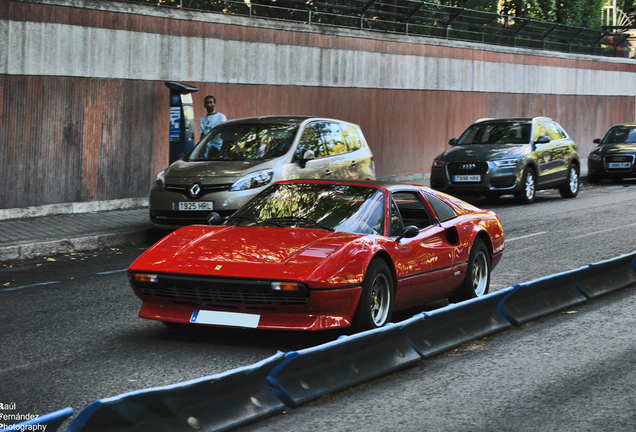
[(163, 209), (493, 181), (326, 309), (599, 169)]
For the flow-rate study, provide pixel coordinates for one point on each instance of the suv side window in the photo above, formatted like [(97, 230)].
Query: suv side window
[(554, 131), (333, 139), (539, 130), (352, 136), (312, 140)]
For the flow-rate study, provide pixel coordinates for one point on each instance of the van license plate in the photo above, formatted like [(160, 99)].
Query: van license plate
[(203, 205)]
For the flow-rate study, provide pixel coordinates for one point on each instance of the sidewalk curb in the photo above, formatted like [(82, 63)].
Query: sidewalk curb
[(30, 250)]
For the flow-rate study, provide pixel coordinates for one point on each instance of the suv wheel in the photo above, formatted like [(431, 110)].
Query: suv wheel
[(528, 184), (571, 188)]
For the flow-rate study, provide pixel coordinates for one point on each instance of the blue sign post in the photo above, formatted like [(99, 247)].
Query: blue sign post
[(182, 124)]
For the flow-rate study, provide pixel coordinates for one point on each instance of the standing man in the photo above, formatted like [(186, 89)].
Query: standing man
[(212, 118)]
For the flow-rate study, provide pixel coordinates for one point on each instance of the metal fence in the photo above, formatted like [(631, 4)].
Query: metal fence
[(417, 18)]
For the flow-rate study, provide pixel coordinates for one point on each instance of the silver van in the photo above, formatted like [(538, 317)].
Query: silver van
[(239, 158)]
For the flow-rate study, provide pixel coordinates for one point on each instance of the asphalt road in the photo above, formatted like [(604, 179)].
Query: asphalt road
[(70, 336)]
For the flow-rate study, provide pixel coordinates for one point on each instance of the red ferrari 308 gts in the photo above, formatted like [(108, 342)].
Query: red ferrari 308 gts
[(314, 255)]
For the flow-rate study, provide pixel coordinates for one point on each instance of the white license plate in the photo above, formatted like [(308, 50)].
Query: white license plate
[(467, 178), (619, 165), (234, 319), (203, 205)]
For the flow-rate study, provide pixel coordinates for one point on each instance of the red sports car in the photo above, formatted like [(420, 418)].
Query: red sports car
[(314, 255)]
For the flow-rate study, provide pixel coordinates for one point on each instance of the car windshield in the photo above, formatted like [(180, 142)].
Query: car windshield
[(334, 207), (497, 133), (620, 135), (244, 142)]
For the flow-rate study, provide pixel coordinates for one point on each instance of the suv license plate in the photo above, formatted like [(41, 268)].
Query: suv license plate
[(203, 205), (467, 178), (619, 165)]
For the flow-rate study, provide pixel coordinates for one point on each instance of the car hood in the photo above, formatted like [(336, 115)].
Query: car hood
[(607, 149), (479, 152), (231, 251), (182, 172)]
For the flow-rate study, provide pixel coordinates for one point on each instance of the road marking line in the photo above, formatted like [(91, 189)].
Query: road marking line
[(112, 271), (29, 286), (526, 236), (604, 231)]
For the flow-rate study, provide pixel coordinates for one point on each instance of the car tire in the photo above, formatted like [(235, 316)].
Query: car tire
[(592, 179), (375, 306), (528, 187), (477, 280), (571, 188)]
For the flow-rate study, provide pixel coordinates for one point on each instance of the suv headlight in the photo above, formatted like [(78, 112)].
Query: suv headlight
[(506, 163), (438, 163), (160, 181), (595, 156), (253, 180)]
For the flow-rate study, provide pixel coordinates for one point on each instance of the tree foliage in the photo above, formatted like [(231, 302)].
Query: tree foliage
[(580, 13)]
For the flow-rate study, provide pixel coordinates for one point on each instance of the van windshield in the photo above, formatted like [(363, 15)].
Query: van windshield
[(244, 142)]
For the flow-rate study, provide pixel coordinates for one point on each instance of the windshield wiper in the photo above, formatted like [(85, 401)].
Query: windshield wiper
[(296, 219)]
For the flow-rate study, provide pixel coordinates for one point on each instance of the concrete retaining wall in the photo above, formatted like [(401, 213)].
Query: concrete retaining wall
[(84, 112)]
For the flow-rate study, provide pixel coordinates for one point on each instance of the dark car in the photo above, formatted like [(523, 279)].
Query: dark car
[(615, 154), (518, 156)]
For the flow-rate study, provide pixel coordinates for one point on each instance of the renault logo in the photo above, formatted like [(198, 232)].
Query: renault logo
[(195, 190), (469, 166)]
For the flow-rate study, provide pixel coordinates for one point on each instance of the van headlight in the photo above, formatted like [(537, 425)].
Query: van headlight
[(254, 180), (160, 181)]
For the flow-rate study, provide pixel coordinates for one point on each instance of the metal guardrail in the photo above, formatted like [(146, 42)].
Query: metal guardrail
[(417, 18)]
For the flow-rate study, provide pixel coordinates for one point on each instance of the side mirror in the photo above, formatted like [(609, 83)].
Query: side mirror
[(543, 139), (304, 156), (214, 219), (309, 155), (452, 141), (408, 232), (597, 141)]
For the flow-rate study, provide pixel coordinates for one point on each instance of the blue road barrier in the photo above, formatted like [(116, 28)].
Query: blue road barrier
[(218, 403), (456, 324), (536, 299), (308, 374), (248, 394), (48, 422), (608, 276)]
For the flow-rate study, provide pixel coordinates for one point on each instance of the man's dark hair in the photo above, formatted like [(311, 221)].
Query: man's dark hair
[(208, 97)]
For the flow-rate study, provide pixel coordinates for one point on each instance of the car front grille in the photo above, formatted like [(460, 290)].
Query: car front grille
[(467, 168), (219, 290), (622, 159), (205, 189)]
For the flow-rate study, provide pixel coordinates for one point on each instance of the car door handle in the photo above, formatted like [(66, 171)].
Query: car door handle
[(328, 172)]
